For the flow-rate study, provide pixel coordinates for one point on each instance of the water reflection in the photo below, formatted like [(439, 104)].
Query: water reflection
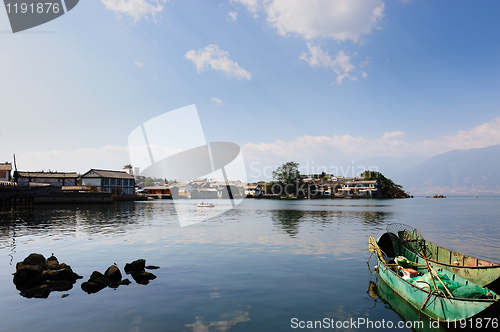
[(406, 311), (289, 220), (64, 221), (227, 321)]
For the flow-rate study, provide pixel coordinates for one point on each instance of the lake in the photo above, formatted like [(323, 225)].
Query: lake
[(266, 265)]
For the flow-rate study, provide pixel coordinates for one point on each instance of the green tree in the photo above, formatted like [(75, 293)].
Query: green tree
[(386, 185), (289, 178), (149, 182), (287, 173)]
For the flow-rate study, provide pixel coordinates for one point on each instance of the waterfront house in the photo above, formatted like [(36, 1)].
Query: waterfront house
[(5, 169), (157, 190), (358, 188), (253, 189), (114, 182), (204, 193), (57, 179)]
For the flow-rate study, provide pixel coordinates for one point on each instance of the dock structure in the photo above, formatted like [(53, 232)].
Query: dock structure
[(15, 197)]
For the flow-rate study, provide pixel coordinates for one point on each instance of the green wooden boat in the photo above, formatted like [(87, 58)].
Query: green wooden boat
[(479, 271), (425, 296)]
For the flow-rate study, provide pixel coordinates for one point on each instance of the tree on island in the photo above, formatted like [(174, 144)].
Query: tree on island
[(288, 176), (149, 182), (387, 186), (287, 173)]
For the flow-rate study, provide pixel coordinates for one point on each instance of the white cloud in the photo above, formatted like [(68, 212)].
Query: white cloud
[(252, 5), (232, 16), (392, 134), (216, 101), (341, 65), (341, 19), (324, 149), (136, 9), (215, 58), (139, 64), (77, 160)]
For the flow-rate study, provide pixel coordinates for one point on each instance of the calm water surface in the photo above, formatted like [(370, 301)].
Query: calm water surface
[(254, 268)]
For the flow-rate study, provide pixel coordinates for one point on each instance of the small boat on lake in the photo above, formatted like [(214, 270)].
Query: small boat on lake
[(207, 204), (479, 271), (438, 293)]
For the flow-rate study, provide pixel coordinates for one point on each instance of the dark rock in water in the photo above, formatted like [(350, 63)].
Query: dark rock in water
[(96, 275), (22, 266), (25, 274), (52, 263), (125, 282), (113, 273), (142, 277), (92, 287), (59, 285), (40, 292), (99, 278), (35, 259), (137, 265), (151, 267), (37, 277), (64, 295), (111, 278), (60, 274)]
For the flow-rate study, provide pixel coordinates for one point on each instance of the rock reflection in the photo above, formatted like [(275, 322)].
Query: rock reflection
[(228, 320)]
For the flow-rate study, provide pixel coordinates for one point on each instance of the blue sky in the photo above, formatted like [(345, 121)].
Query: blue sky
[(320, 81)]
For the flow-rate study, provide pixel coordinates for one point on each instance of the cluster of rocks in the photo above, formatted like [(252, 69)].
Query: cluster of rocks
[(113, 277), (36, 276), (137, 270), (436, 196)]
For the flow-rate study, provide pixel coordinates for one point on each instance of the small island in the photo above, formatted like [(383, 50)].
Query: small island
[(289, 183)]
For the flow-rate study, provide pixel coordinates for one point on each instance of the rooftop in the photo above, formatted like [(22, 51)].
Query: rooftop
[(47, 174)]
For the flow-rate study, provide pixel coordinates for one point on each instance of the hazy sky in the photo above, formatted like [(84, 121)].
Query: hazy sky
[(314, 81)]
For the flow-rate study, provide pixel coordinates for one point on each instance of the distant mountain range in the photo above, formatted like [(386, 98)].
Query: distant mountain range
[(472, 171)]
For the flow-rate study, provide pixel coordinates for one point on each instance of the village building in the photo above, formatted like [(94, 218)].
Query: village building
[(253, 189), (128, 169), (157, 190), (358, 188), (114, 182), (181, 189), (57, 179), (5, 169)]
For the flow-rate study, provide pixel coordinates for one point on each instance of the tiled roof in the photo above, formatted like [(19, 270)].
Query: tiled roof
[(5, 167), (111, 174), (47, 174)]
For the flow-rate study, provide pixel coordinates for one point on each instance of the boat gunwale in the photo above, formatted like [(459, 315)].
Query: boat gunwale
[(408, 228), (492, 266)]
